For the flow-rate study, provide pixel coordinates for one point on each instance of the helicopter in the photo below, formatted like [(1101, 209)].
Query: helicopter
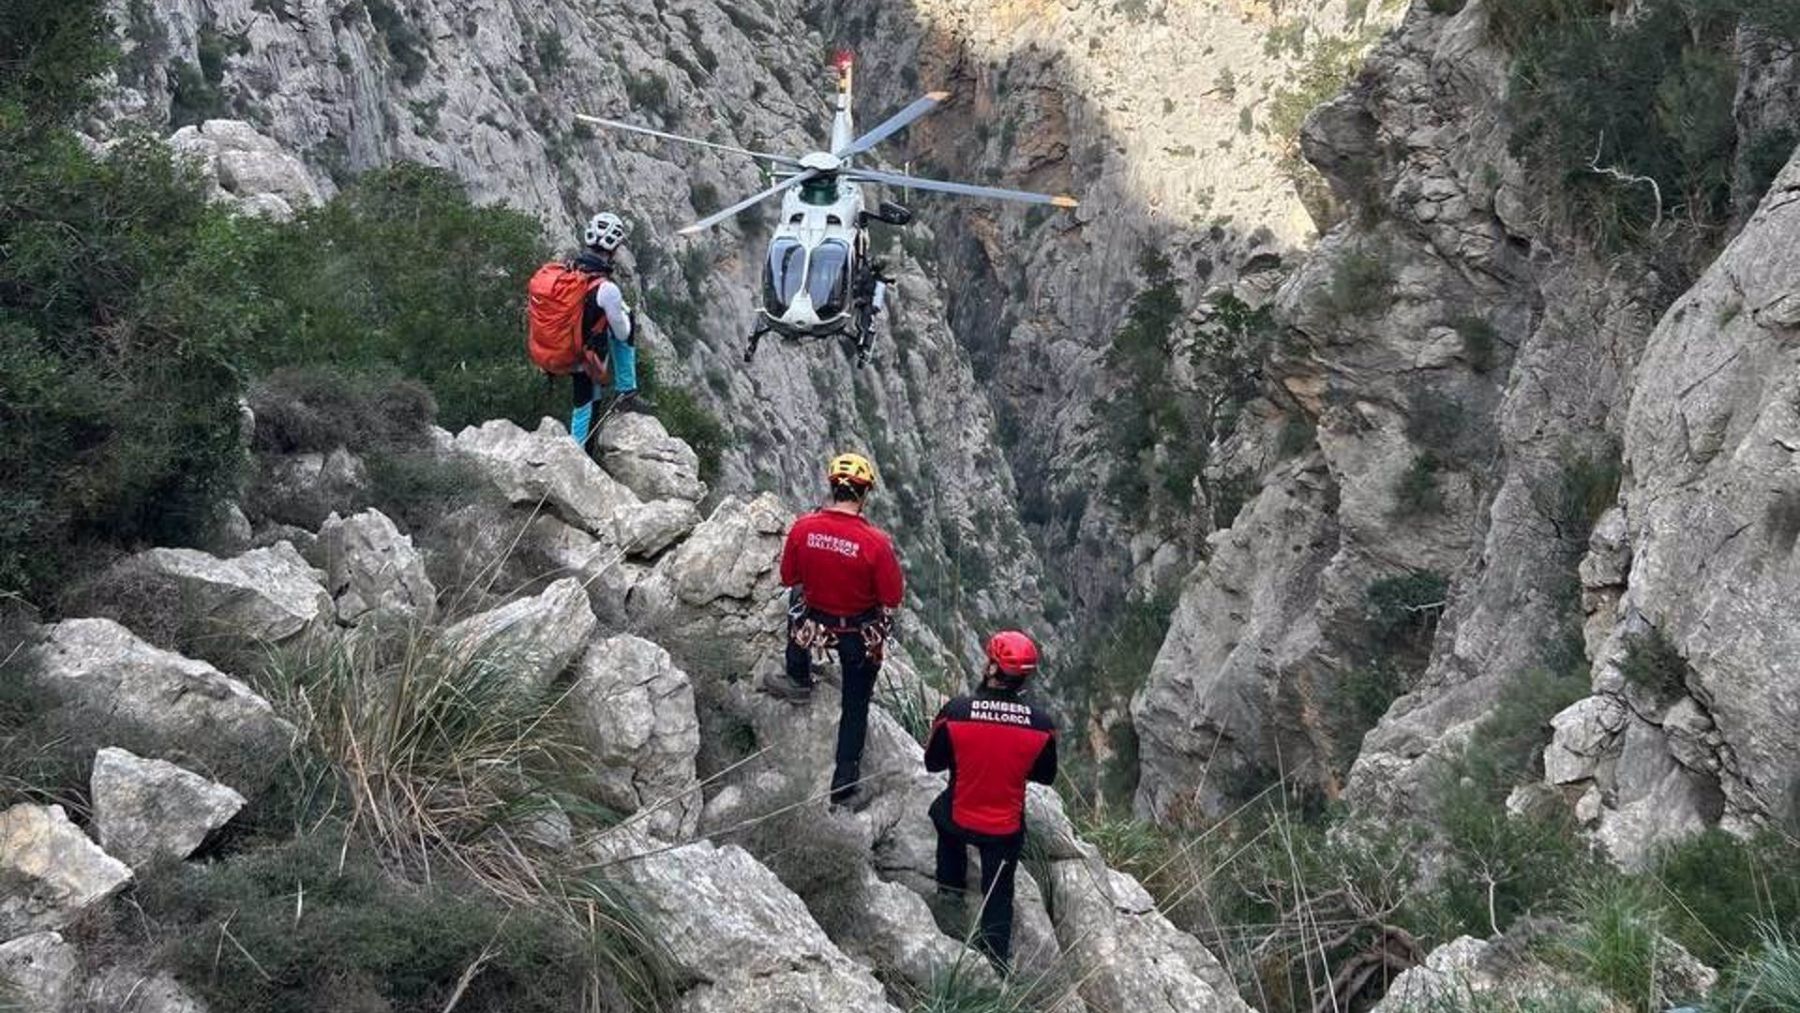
[(819, 279)]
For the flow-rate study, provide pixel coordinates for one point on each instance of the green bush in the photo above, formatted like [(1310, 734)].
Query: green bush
[(1362, 283), (320, 408), (1768, 980), (1725, 890), (404, 43), (403, 273), (1653, 663), (1478, 340), (1604, 107), (1406, 608), (123, 314), (1612, 941), (1587, 485), (314, 926), (1417, 491)]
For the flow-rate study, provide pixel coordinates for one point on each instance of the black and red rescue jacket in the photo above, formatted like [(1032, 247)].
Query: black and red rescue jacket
[(992, 743)]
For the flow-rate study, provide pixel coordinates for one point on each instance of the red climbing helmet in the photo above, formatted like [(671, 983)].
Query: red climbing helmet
[(1013, 653)]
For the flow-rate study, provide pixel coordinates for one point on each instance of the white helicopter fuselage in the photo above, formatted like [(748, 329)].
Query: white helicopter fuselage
[(818, 244)]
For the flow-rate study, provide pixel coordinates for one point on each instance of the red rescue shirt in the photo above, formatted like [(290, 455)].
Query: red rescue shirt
[(846, 564), (992, 743)]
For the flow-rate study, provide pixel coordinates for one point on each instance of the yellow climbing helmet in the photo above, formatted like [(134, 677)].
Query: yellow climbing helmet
[(852, 468)]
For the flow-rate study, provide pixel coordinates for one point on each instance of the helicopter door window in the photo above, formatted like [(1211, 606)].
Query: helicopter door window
[(828, 277), (786, 269)]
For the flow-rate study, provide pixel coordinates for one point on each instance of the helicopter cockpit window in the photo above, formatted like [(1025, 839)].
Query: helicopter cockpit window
[(786, 268), (819, 192), (828, 278)]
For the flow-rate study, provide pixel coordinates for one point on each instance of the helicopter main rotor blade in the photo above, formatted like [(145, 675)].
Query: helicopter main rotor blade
[(634, 128), (718, 216), (893, 124), (964, 189)]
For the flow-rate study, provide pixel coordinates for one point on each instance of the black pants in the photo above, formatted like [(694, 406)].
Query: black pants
[(860, 672), (999, 863)]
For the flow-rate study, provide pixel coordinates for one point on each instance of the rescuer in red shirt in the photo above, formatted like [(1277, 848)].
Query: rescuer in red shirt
[(992, 742), (846, 583)]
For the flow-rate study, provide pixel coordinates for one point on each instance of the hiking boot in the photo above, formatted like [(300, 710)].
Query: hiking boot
[(779, 686), (853, 799), (633, 402)]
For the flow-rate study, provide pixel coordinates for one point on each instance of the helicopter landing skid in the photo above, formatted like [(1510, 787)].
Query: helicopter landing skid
[(756, 337)]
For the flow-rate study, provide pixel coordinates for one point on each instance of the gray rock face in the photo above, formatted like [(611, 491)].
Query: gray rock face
[(49, 871), (546, 466), (42, 970), (247, 170), (744, 939), (1125, 954), (1243, 635), (265, 596), (129, 991), (894, 933), (536, 637), (637, 717), (158, 704), (371, 568), (638, 451), (1710, 444), (150, 809)]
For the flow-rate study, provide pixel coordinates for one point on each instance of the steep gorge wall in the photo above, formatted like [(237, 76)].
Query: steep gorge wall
[(1467, 362)]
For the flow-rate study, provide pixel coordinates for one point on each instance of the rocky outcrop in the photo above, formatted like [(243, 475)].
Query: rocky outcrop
[(741, 939), (535, 638), (129, 991), (638, 451), (263, 597), (146, 810), (1694, 718), (49, 871), (120, 691), (636, 716), (371, 569), (39, 972), (546, 468), (247, 170), (1125, 954)]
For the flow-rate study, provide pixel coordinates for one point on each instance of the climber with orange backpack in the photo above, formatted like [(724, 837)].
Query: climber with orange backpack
[(579, 325)]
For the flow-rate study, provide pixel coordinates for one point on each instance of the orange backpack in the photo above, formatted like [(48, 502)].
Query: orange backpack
[(556, 299)]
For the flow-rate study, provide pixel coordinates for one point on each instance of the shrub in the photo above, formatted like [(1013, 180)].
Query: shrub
[(401, 273), (648, 91), (314, 925), (1478, 340), (1654, 664), (118, 360), (1440, 424), (404, 43), (1768, 980), (1361, 284), (1587, 485), (1417, 490), (1726, 890), (320, 408), (1607, 108), (54, 51), (1298, 435), (431, 744), (1613, 940), (1406, 608)]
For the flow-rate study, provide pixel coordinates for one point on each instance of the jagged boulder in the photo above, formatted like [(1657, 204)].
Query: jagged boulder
[(894, 932), (119, 690), (535, 637), (42, 970), (546, 466), (265, 596), (638, 451), (150, 809), (132, 991), (372, 569), (731, 928), (302, 489), (721, 584), (245, 169), (49, 871), (1460, 972), (646, 530), (1125, 954), (636, 715)]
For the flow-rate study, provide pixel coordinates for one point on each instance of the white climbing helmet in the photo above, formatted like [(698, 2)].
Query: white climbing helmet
[(605, 231)]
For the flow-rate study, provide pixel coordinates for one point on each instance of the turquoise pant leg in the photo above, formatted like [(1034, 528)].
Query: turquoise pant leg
[(581, 420), (624, 364)]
